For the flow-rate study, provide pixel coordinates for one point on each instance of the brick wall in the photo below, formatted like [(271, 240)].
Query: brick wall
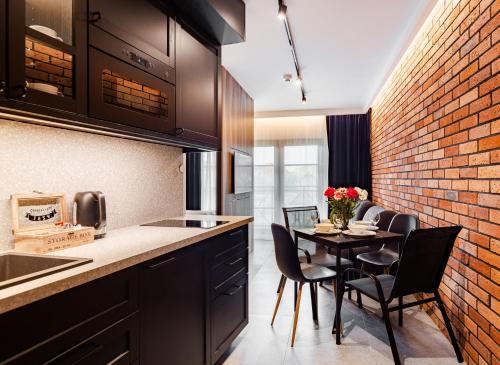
[(127, 93), (436, 153), (48, 65)]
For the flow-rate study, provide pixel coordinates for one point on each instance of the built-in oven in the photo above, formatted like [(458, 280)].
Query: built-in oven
[(131, 74)]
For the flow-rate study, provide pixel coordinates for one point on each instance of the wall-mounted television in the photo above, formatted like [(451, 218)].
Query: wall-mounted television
[(242, 173)]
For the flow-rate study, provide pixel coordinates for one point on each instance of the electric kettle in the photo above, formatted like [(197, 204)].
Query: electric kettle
[(89, 210)]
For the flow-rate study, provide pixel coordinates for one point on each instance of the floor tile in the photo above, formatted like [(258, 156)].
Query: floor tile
[(364, 341)]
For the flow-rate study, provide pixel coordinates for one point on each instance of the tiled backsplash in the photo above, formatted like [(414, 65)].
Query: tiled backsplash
[(141, 181)]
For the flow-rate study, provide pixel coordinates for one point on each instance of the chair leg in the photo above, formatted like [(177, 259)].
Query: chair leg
[(400, 312), (314, 303), (447, 323), (390, 334), (296, 316), (358, 294), (281, 283), (316, 293), (359, 300), (294, 294), (282, 289)]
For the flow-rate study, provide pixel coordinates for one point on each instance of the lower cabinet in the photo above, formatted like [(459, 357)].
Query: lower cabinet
[(173, 309), (183, 308)]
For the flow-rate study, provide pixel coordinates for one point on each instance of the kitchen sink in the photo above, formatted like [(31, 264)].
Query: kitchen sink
[(16, 268)]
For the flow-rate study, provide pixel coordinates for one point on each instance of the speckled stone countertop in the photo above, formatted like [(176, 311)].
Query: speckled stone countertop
[(121, 248)]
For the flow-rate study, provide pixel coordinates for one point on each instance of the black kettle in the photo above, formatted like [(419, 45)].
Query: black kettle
[(89, 210)]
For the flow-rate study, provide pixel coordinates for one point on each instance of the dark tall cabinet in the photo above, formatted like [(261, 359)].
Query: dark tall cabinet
[(173, 309), (3, 40), (197, 66)]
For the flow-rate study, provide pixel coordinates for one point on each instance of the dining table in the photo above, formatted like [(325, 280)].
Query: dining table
[(342, 241)]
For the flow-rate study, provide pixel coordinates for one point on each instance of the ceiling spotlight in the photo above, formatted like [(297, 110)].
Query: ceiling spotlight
[(282, 11), (287, 77), (298, 81)]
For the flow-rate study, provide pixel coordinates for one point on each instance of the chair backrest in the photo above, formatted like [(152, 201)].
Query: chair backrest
[(286, 253), (301, 217), (372, 212), (361, 209), (423, 260), (385, 219), (403, 224)]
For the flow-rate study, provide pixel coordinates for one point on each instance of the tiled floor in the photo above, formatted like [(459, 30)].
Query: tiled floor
[(365, 341)]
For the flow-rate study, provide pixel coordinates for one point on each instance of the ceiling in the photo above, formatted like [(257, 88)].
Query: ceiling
[(346, 50)]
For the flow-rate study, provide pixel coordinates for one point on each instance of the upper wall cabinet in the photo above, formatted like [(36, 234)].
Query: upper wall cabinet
[(221, 20), (131, 56), (3, 41), (197, 66), (47, 53)]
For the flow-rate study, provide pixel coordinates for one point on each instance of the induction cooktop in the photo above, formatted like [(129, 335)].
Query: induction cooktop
[(189, 223)]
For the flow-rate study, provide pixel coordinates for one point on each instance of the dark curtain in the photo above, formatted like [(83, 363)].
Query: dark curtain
[(349, 162), (193, 181)]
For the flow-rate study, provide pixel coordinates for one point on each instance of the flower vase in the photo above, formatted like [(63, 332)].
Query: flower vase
[(340, 221)]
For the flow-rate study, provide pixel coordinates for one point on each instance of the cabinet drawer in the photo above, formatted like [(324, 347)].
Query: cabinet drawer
[(225, 245), (67, 318), (226, 269), (117, 344), (229, 314)]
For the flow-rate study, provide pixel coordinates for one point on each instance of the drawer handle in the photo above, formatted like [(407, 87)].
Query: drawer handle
[(161, 263), (230, 293), (79, 352), (232, 234), (95, 16), (235, 261)]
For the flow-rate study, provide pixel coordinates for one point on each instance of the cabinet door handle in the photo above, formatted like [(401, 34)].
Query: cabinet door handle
[(232, 234), (2, 86), (230, 293), (235, 261), (95, 16), (78, 353), (161, 263)]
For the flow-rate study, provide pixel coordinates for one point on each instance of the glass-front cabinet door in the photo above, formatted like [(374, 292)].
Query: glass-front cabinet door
[(47, 47)]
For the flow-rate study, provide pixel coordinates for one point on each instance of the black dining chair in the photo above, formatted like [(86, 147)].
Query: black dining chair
[(389, 253), (307, 217), (361, 209), (291, 268), (420, 269), (384, 220)]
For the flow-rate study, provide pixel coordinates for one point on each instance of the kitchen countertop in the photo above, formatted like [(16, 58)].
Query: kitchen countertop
[(121, 248)]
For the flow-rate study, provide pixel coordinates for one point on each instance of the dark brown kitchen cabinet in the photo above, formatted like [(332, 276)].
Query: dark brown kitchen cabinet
[(197, 75), (94, 323), (139, 23), (184, 307), (47, 53), (3, 42), (124, 94), (173, 309), (227, 257)]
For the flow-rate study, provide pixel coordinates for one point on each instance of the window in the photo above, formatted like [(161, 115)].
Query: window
[(286, 175), (264, 191)]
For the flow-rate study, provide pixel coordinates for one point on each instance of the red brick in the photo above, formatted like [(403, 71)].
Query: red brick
[(489, 143)]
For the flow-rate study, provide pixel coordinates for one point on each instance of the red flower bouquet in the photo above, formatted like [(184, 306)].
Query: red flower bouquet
[(342, 202)]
